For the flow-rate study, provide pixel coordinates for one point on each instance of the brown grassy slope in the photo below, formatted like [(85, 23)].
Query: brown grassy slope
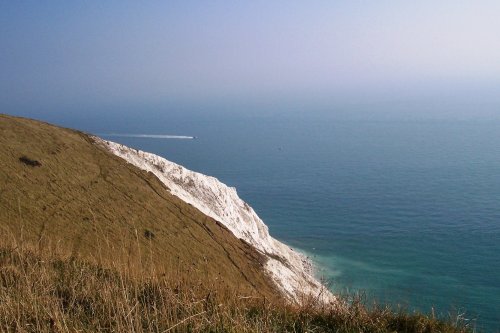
[(87, 202), (42, 293)]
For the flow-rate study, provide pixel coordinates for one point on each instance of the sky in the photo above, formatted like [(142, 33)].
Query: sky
[(90, 56)]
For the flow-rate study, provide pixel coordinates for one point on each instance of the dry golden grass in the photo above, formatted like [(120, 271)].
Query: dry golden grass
[(51, 291)]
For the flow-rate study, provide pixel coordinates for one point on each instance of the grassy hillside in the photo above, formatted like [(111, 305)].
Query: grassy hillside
[(92, 205), (92, 244)]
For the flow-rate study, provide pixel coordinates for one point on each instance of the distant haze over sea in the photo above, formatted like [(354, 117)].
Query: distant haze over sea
[(273, 56)]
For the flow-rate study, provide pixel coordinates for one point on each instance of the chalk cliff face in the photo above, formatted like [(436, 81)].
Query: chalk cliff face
[(291, 271)]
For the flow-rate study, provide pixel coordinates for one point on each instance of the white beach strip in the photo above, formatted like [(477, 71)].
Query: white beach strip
[(291, 271), (150, 136)]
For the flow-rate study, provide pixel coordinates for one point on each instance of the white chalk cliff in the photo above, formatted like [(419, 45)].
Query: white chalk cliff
[(291, 271)]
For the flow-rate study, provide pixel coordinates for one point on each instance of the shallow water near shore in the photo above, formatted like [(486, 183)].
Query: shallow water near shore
[(407, 212)]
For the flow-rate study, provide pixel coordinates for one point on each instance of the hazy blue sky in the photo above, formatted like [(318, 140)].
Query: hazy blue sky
[(66, 55)]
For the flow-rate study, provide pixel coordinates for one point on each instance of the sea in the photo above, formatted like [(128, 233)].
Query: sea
[(404, 212)]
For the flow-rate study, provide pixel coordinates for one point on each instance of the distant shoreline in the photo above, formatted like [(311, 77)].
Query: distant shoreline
[(149, 136)]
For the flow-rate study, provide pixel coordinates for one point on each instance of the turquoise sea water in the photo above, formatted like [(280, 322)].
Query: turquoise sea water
[(408, 212)]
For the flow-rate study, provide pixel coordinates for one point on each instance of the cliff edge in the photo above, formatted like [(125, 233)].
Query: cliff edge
[(291, 271), (64, 187)]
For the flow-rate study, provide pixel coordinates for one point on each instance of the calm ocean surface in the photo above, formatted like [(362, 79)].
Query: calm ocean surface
[(408, 212)]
